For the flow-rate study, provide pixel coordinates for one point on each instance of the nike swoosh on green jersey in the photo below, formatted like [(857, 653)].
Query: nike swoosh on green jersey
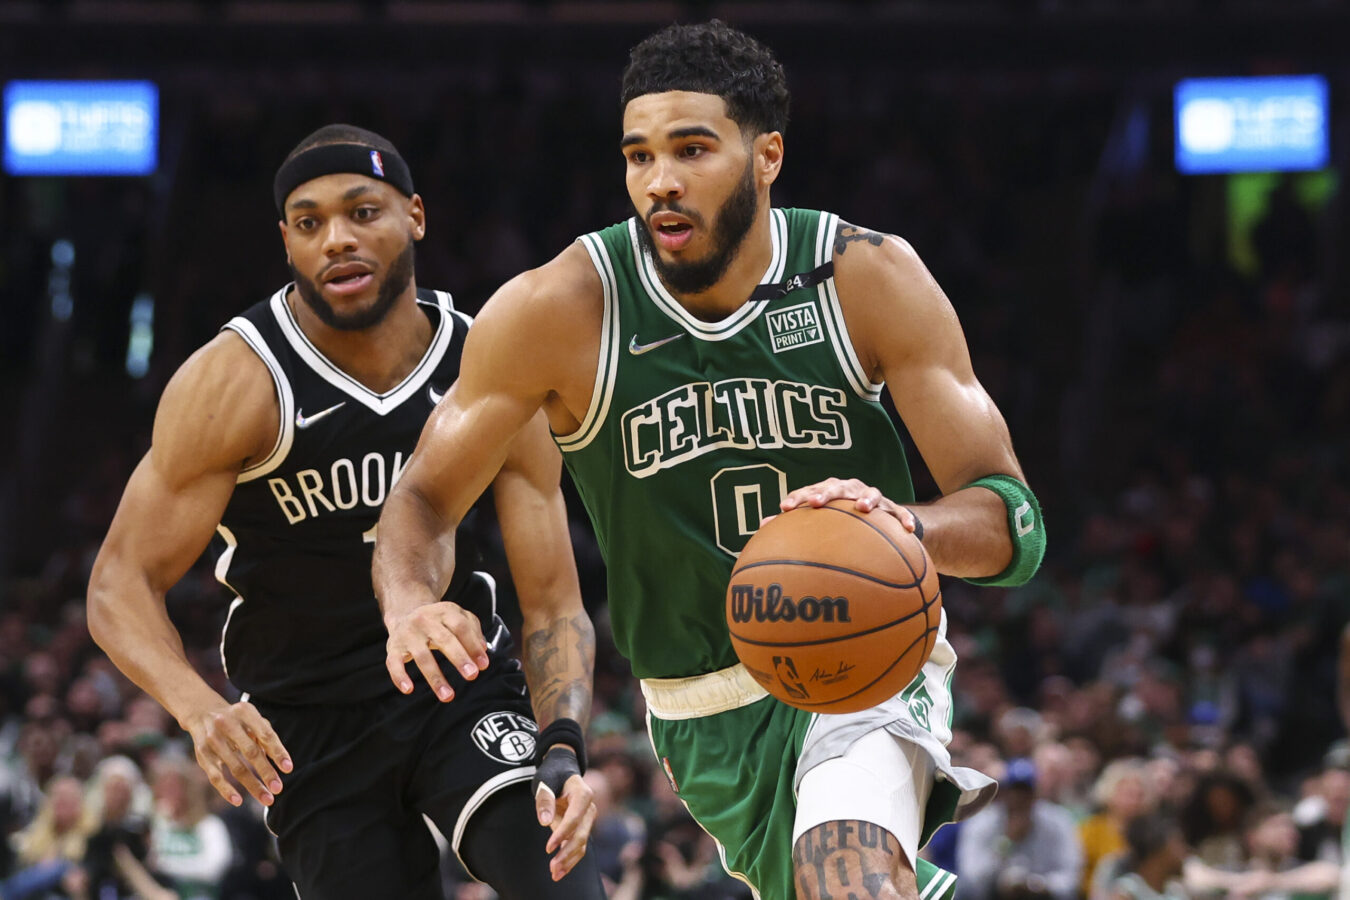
[(638, 349)]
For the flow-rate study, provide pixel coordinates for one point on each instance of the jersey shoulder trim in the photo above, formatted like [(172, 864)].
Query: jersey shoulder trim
[(285, 400), (608, 363), (835, 326), (731, 325), (444, 302)]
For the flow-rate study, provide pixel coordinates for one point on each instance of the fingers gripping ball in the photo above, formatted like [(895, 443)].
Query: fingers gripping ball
[(833, 610)]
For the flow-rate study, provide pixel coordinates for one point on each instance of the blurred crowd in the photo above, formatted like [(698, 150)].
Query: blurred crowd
[(1159, 703)]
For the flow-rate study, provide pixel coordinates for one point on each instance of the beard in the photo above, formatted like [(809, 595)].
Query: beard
[(732, 225), (395, 282)]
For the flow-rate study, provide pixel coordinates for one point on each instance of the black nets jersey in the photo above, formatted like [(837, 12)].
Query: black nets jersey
[(295, 543)]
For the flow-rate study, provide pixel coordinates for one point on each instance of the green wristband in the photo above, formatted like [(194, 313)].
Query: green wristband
[(1025, 527)]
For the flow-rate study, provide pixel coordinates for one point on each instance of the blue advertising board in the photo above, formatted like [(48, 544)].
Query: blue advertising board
[(81, 127), (1258, 124)]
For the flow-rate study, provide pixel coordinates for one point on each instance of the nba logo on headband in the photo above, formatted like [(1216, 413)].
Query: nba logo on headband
[(329, 159)]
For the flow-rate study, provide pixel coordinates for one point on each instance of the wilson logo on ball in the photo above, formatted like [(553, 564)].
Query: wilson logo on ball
[(772, 605), (832, 609)]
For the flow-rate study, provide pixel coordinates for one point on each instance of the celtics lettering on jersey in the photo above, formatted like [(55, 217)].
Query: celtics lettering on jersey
[(735, 413), (309, 493)]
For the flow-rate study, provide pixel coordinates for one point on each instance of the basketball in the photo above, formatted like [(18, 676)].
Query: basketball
[(833, 610)]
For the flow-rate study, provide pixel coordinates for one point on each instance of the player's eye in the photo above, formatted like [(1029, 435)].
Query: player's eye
[(638, 157), (365, 213), (305, 223), (692, 150)]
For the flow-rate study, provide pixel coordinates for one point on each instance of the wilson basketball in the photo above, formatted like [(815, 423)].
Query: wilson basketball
[(833, 610)]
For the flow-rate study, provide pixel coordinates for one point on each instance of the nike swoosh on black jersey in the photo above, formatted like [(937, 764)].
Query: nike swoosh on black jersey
[(301, 421)]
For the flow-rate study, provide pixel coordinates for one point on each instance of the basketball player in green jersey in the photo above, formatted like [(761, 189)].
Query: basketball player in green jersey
[(703, 365)]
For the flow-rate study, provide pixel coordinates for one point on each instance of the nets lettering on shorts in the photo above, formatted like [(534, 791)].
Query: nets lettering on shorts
[(506, 737)]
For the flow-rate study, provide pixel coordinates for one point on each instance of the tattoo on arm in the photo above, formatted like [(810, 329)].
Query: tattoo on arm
[(848, 234), (847, 859), (559, 660)]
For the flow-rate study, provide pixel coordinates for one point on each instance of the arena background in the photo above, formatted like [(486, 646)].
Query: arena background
[(1170, 352)]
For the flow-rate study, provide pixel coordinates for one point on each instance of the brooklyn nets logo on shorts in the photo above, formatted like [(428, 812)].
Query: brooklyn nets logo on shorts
[(506, 737)]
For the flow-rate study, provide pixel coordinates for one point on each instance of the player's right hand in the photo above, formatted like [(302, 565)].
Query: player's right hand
[(234, 739), (866, 498), (443, 626)]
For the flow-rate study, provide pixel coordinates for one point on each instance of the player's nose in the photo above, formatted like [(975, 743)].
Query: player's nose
[(339, 236), (663, 182)]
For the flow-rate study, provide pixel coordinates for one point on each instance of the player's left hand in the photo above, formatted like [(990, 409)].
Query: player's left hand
[(866, 498), (443, 626), (565, 803)]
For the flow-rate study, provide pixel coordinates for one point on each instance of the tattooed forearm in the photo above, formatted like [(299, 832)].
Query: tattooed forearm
[(850, 860), (847, 234), (559, 659)]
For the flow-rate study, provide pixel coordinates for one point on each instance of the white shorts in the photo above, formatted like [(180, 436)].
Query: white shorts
[(880, 779), (880, 764)]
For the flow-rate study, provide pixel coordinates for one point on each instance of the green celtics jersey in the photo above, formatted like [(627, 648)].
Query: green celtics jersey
[(697, 429)]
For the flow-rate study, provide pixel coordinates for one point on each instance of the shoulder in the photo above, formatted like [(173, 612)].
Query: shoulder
[(892, 304), (218, 411), (863, 256), (223, 372), (560, 295), (570, 279), (535, 335)]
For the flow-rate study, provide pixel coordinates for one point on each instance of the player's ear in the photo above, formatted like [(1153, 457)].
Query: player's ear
[(768, 151), (285, 238), (417, 212)]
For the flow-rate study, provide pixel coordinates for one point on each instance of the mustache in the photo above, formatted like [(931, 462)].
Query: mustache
[(344, 260), (673, 206)]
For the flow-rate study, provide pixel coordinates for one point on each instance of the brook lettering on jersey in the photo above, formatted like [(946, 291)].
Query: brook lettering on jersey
[(739, 413), (311, 492), (772, 605)]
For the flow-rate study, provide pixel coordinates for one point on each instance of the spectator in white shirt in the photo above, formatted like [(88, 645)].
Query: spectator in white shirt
[(1019, 848), (188, 844)]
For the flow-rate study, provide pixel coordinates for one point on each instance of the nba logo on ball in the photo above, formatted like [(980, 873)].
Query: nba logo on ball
[(506, 736), (376, 164)]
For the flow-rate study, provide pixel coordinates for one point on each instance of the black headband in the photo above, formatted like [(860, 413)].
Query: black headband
[(331, 159)]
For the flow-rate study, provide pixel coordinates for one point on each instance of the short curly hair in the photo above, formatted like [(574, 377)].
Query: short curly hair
[(712, 58)]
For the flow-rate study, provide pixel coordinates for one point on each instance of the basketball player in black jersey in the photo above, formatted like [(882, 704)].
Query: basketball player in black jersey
[(283, 436)]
